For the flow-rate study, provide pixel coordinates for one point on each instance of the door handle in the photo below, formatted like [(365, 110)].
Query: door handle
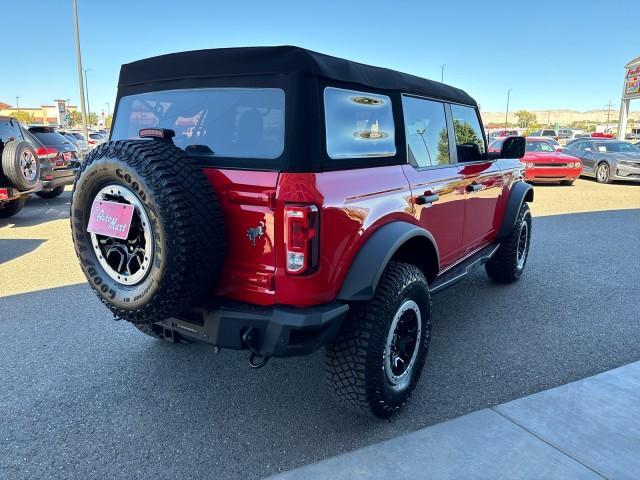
[(474, 187), (427, 199)]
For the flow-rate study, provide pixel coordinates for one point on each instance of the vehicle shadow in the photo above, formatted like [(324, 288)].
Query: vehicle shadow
[(11, 249), (39, 211), (176, 411)]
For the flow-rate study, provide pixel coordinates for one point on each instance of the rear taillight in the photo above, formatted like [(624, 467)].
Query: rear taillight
[(301, 238), (92, 142), (4, 193), (46, 152)]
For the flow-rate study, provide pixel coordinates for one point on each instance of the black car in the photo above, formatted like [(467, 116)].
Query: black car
[(19, 167), (59, 157)]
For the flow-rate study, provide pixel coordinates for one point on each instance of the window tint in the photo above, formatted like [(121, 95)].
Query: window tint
[(616, 147), (426, 130), (548, 133), (537, 146), (9, 129), (358, 124), (469, 138), (48, 136), (224, 122)]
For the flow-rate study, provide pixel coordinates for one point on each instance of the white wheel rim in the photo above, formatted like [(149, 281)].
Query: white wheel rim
[(125, 261)]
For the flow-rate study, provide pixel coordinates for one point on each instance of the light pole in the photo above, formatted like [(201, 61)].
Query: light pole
[(79, 61), (442, 72), (86, 87), (506, 115), (108, 108), (17, 103)]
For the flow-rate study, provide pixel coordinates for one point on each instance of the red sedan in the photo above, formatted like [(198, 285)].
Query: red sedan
[(544, 164)]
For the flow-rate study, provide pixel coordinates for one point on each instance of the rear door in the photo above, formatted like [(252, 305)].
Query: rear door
[(481, 179), (435, 181)]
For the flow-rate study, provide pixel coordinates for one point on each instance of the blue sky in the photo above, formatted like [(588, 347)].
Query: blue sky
[(553, 54)]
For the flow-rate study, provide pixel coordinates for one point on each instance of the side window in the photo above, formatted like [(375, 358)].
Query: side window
[(358, 124), (469, 138), (586, 147), (9, 129), (426, 130)]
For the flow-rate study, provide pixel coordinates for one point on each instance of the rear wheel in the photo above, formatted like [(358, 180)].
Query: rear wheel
[(9, 209), (376, 360), (53, 193), (603, 173), (508, 263)]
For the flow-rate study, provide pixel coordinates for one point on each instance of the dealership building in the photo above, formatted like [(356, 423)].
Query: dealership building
[(45, 114)]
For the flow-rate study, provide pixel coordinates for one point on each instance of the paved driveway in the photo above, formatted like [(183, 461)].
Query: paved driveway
[(83, 396)]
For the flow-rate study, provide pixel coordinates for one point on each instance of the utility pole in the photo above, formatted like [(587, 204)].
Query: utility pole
[(108, 108), (86, 87), (506, 115), (609, 105), (17, 103), (79, 61), (442, 72)]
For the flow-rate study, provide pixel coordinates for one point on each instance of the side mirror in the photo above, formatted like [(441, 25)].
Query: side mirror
[(513, 147)]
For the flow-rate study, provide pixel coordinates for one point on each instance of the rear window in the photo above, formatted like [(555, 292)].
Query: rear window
[(220, 122), (48, 137)]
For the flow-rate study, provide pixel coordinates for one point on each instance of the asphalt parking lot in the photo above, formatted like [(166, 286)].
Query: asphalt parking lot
[(87, 397)]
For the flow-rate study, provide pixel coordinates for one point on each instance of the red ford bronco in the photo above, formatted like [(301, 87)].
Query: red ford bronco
[(278, 200)]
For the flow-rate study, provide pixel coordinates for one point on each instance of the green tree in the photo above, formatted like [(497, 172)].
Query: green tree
[(75, 118), (22, 116), (525, 118), (93, 118), (443, 148), (107, 121), (466, 134)]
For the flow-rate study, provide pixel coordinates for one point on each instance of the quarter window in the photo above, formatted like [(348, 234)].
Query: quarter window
[(426, 130), (358, 124), (469, 137)]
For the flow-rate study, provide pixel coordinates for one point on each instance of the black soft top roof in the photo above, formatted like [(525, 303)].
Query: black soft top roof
[(226, 62)]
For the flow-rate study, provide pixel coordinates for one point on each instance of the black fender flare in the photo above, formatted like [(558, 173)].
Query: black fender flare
[(520, 192), (364, 274)]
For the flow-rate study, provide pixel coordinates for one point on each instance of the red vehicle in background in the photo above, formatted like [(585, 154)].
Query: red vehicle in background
[(544, 164), (602, 135)]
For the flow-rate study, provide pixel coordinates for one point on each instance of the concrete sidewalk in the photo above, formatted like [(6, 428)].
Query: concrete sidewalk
[(585, 429)]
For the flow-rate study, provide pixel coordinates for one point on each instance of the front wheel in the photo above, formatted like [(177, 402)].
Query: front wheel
[(603, 173), (376, 360), (508, 263)]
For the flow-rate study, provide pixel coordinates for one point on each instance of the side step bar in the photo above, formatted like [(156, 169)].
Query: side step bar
[(460, 270)]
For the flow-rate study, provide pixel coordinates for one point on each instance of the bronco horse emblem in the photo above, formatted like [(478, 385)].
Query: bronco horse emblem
[(254, 233)]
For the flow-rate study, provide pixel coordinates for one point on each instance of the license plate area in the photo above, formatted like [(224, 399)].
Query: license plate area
[(110, 219)]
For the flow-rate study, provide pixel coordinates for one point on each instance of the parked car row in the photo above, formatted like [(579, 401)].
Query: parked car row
[(35, 160), (604, 159)]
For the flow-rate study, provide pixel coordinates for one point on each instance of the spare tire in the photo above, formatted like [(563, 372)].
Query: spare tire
[(173, 253), (20, 164)]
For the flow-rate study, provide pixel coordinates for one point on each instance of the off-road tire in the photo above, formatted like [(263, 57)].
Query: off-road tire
[(503, 267), (9, 209), (354, 359), (11, 156), (53, 193), (567, 183), (185, 218)]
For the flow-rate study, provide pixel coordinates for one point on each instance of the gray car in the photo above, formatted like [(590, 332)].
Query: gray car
[(607, 160)]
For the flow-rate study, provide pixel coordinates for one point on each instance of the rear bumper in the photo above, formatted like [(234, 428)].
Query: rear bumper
[(61, 176), (9, 194), (267, 331)]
